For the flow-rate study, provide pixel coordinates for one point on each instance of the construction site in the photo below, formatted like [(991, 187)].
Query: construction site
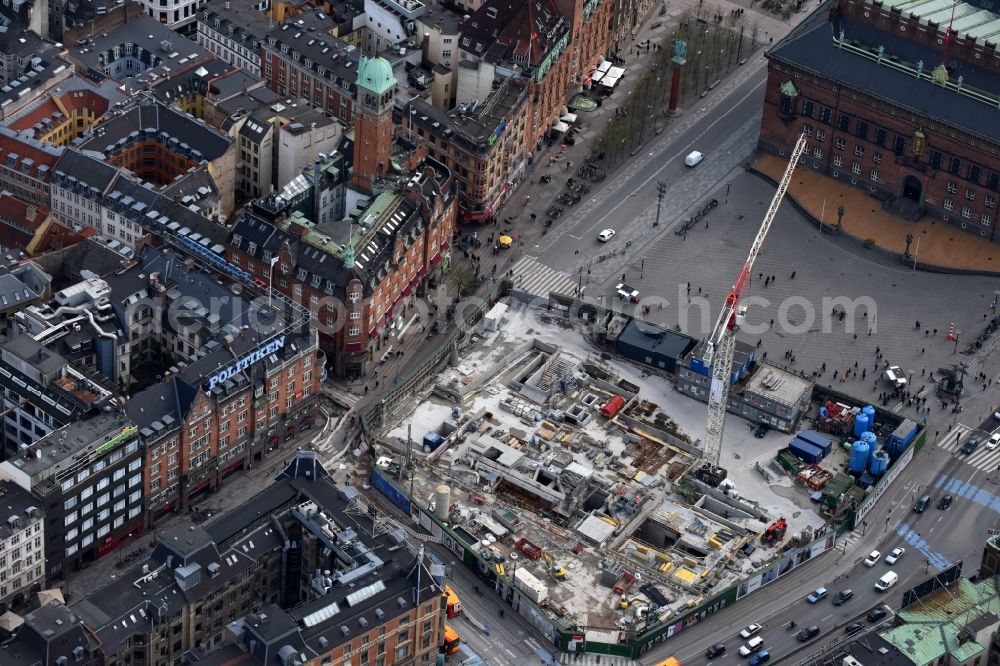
[(567, 474)]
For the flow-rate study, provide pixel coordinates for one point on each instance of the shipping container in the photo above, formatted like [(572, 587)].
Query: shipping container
[(507, 518), (810, 453), (817, 439), (612, 407), (528, 548), (492, 526), (533, 588)]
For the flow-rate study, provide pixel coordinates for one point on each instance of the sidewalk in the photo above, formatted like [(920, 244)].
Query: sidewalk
[(935, 242)]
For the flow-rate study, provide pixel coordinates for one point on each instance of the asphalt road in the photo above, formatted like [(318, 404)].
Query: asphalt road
[(626, 199)]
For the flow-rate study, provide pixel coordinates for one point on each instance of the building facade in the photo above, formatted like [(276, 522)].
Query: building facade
[(911, 125), (233, 31), (87, 477), (302, 58), (484, 146), (22, 546)]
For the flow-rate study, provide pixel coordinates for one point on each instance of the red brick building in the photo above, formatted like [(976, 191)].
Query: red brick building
[(554, 44), (893, 103), (357, 278)]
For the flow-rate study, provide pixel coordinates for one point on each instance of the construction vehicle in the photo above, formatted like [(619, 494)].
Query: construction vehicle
[(721, 344), (775, 532), (454, 603), (452, 640)]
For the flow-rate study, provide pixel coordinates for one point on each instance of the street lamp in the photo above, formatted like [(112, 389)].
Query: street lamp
[(840, 215), (661, 191), (906, 252)]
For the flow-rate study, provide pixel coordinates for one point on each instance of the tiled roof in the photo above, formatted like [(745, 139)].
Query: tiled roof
[(179, 131), (33, 158), (524, 29), (811, 46)]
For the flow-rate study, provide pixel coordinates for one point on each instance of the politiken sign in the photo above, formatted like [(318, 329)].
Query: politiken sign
[(245, 362)]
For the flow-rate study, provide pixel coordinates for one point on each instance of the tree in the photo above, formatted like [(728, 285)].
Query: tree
[(464, 279)]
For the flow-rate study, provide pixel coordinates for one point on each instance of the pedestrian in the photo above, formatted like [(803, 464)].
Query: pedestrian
[(863, 371), (623, 277), (926, 332), (793, 275), (772, 322), (855, 336), (918, 325), (773, 278), (760, 276), (823, 367), (922, 371), (935, 332), (759, 342), (923, 349), (855, 364)]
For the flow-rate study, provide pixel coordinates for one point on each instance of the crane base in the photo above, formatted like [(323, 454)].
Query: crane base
[(711, 475)]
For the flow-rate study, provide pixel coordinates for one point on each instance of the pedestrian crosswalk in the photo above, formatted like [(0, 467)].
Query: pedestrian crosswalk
[(537, 279), (982, 458), (846, 542), (587, 659)]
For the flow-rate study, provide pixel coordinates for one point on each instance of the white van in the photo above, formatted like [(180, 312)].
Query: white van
[(886, 581), (693, 158)]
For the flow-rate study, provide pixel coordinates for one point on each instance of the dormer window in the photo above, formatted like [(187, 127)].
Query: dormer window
[(252, 248), (237, 240), (492, 12)]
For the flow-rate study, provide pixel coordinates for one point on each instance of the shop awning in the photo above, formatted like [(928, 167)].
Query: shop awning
[(353, 347), (372, 334), (408, 291), (604, 66), (436, 259), (445, 245), (560, 126), (389, 312), (422, 272), (415, 280)]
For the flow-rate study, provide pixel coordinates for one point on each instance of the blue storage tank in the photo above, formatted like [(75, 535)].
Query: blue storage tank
[(823, 413), (869, 437), (860, 425), (869, 411), (859, 457), (880, 462)]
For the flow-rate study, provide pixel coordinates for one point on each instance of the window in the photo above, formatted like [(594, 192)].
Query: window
[(952, 187), (69, 504), (844, 123), (879, 137), (949, 204), (970, 194), (974, 173), (898, 144), (838, 160), (993, 181), (818, 153), (986, 219), (820, 135), (807, 129), (825, 115), (354, 330), (989, 201), (936, 159), (859, 150), (855, 167), (877, 158), (874, 176), (70, 519), (807, 108), (955, 166), (840, 143), (966, 211), (861, 130)]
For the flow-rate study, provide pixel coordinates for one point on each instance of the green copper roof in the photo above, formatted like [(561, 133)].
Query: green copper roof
[(931, 627), (375, 74)]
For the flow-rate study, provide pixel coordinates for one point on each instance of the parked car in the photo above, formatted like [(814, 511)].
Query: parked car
[(845, 594), (894, 556), (817, 594), (994, 441), (750, 631), (716, 650), (970, 445), (922, 503), (751, 646), (760, 658), (854, 627), (807, 633), (873, 558), (945, 502), (877, 613)]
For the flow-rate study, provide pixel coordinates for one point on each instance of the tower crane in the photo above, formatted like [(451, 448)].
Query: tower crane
[(721, 344)]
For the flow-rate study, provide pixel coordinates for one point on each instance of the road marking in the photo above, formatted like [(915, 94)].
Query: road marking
[(826, 618), (576, 237), (683, 151)]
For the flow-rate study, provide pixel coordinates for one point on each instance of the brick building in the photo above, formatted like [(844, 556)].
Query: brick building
[(484, 147), (554, 44), (302, 58), (894, 102), (357, 276)]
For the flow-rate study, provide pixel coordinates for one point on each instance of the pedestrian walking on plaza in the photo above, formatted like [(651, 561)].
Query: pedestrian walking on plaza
[(773, 278), (772, 322), (863, 371), (793, 275), (926, 333), (935, 332)]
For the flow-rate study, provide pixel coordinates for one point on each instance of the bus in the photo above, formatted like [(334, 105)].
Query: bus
[(452, 640), (454, 604)]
